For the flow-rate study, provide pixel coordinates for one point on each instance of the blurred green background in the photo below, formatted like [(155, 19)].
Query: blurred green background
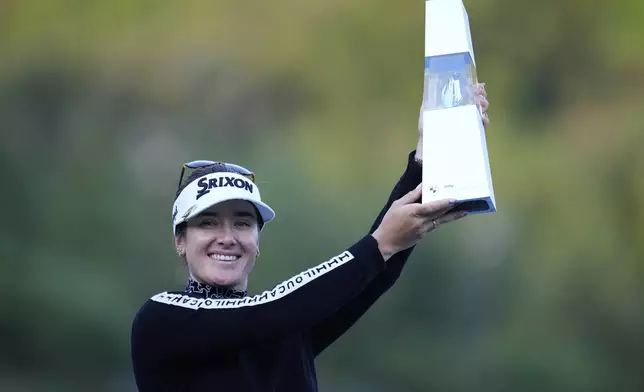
[(102, 101)]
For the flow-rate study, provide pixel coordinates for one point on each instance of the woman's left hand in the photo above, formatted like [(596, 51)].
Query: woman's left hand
[(481, 100)]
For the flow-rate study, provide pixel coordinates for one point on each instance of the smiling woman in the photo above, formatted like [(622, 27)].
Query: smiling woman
[(220, 245), (212, 335)]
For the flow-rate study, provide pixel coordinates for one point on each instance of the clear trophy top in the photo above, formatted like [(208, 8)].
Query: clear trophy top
[(449, 81)]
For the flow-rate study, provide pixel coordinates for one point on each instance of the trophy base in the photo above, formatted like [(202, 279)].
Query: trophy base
[(479, 206)]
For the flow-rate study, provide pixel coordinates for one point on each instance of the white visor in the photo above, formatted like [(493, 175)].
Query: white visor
[(214, 188)]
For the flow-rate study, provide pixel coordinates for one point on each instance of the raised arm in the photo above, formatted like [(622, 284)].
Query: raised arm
[(325, 333)]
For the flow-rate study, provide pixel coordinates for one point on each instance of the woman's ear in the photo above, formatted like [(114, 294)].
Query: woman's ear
[(179, 240), (180, 243)]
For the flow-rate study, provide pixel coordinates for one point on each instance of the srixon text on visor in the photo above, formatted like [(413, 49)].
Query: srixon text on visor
[(206, 184)]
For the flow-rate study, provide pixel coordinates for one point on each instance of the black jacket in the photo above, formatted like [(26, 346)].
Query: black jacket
[(209, 339)]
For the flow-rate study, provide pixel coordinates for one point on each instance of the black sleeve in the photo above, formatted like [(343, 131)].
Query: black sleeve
[(325, 333), (170, 326)]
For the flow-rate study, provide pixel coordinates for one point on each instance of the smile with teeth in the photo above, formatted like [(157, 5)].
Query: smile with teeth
[(216, 256)]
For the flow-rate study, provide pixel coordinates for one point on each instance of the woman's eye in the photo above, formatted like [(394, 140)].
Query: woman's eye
[(242, 224), (207, 223)]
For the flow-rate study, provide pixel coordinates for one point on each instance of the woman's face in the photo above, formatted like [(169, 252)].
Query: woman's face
[(221, 243)]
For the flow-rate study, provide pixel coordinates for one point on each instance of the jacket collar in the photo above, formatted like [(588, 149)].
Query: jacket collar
[(208, 291)]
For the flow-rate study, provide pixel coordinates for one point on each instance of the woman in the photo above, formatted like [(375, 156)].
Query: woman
[(213, 336)]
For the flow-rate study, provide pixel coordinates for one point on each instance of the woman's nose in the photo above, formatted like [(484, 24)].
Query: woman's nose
[(226, 236)]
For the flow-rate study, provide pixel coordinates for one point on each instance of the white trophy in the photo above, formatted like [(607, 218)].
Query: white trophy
[(455, 157)]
